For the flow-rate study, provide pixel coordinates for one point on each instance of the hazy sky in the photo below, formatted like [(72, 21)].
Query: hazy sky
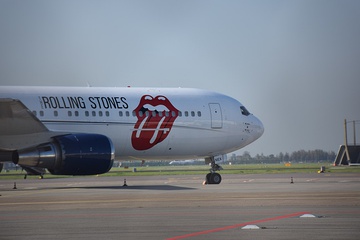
[(294, 64)]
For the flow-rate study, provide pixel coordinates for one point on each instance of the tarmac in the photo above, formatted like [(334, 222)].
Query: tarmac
[(251, 206)]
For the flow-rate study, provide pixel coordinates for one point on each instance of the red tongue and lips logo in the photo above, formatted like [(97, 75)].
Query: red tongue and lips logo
[(152, 126)]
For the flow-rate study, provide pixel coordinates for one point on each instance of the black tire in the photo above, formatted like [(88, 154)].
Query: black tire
[(208, 180), (215, 178)]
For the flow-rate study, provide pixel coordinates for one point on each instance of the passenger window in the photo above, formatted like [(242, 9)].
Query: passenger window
[(173, 114), (100, 113), (41, 113), (192, 113), (120, 113), (56, 113), (199, 114), (127, 113), (93, 113), (134, 114), (86, 113), (76, 113), (34, 112), (179, 113), (186, 113), (167, 113), (69, 113)]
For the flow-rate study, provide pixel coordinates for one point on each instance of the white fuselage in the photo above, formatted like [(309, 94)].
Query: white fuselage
[(145, 123)]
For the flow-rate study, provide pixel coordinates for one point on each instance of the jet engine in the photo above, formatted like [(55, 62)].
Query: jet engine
[(72, 154)]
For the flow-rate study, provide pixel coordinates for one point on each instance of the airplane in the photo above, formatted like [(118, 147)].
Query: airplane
[(82, 130)]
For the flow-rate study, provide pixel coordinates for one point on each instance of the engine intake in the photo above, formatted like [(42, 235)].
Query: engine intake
[(73, 154)]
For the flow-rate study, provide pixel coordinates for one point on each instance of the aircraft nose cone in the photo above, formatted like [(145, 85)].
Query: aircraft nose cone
[(258, 127)]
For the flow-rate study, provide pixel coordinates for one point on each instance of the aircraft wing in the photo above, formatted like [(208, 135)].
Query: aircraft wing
[(16, 119), (26, 141), (19, 127)]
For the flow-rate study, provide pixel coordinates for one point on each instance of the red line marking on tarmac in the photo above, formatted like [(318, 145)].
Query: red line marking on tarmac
[(236, 226)]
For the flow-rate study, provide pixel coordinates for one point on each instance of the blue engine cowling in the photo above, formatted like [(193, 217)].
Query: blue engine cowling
[(73, 154)]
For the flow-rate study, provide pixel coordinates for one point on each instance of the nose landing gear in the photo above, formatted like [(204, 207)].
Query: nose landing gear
[(213, 177)]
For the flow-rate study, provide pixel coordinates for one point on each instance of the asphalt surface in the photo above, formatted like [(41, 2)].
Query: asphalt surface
[(180, 207)]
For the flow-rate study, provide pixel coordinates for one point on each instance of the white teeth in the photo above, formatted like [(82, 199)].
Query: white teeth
[(158, 108)]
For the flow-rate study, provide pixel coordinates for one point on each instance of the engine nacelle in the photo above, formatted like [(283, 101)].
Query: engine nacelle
[(73, 154)]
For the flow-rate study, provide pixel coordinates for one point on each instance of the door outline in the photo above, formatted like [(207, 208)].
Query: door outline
[(215, 115)]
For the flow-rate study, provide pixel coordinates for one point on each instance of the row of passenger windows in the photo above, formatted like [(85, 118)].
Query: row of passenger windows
[(124, 114)]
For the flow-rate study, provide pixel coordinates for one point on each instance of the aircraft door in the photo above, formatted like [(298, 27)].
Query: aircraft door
[(216, 115)]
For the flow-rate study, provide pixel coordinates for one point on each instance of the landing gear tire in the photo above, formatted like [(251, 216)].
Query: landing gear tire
[(207, 180), (213, 178)]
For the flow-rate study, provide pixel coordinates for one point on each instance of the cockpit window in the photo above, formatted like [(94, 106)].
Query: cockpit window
[(244, 111)]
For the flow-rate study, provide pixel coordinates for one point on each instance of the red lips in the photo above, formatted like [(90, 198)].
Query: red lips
[(153, 125)]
